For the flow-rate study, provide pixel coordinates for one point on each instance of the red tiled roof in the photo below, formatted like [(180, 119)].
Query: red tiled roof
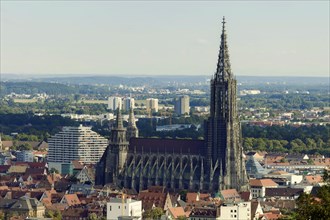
[(150, 198), (155, 145), (32, 164), (262, 182), (177, 212), (245, 196), (35, 171), (313, 179), (191, 197), (230, 194), (271, 216), (72, 199)]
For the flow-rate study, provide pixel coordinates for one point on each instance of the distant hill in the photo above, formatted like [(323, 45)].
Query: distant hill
[(36, 87), (159, 80)]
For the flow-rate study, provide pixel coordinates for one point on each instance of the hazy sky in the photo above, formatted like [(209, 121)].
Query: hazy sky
[(164, 37)]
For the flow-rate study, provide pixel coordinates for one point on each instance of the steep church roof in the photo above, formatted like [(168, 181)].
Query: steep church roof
[(157, 145)]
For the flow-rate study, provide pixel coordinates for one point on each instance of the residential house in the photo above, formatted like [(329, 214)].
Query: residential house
[(155, 196), (205, 213), (192, 197), (83, 189), (259, 186), (312, 180), (87, 174), (235, 210), (230, 195), (283, 193), (70, 200), (176, 212), (75, 213), (27, 207), (17, 169), (256, 210)]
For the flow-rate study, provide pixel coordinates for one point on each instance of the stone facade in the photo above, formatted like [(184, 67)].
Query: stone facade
[(212, 164)]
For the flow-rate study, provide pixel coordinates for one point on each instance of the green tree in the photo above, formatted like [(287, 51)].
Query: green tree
[(25, 146), (311, 144), (53, 170), (92, 216), (2, 215), (154, 213), (312, 208), (260, 144), (54, 215), (248, 144)]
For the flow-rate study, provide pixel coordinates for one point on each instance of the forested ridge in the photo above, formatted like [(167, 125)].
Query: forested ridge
[(302, 139)]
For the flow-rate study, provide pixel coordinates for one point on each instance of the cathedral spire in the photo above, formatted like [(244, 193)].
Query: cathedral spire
[(223, 67), (119, 120)]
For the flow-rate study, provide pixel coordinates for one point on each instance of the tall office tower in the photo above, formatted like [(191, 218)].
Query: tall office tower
[(223, 130), (128, 103), (152, 105), (76, 143), (114, 103), (181, 105)]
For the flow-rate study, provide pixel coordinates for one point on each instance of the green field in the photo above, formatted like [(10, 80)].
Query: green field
[(25, 100), (94, 101)]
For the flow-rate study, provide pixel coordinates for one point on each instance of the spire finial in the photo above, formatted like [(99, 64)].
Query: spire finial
[(223, 23), (223, 67)]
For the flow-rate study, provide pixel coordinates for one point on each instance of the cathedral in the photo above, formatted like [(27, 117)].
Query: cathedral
[(212, 164)]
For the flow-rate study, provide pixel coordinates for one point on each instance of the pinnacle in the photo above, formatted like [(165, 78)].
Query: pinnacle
[(119, 120), (131, 119)]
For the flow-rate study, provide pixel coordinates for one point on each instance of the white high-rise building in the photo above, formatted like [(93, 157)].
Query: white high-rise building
[(76, 143), (128, 103), (152, 104), (182, 106), (114, 103)]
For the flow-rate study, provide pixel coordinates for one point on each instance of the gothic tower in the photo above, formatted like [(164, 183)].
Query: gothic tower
[(224, 153), (117, 151), (132, 130)]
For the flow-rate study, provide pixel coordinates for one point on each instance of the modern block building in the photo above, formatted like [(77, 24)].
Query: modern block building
[(128, 103), (114, 103), (152, 105), (212, 164), (76, 143), (25, 155), (181, 105)]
